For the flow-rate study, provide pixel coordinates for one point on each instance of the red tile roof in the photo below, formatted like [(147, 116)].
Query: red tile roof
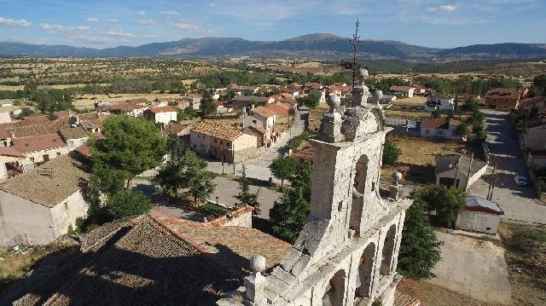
[(221, 129), (163, 109), (264, 112), (38, 143)]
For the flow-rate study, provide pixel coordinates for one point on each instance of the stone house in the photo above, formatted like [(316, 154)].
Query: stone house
[(403, 91), (454, 170), (162, 114), (223, 140), (264, 120), (74, 136), (440, 128), (249, 102), (479, 215), (39, 206), (347, 252)]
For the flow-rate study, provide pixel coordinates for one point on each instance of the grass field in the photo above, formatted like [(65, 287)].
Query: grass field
[(422, 151)]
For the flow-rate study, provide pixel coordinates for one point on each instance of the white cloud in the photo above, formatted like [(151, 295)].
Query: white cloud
[(170, 13), (58, 28), (448, 8), (141, 13), (120, 34), (113, 20), (9, 22), (182, 25), (146, 21), (92, 19)]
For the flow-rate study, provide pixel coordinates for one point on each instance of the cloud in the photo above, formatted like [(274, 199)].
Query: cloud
[(448, 8), (120, 34), (141, 13), (92, 19), (58, 28), (113, 20), (182, 25), (14, 23), (146, 21), (170, 13)]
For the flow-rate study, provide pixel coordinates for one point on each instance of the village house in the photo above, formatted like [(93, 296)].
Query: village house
[(133, 108), (380, 98), (440, 128), (248, 103), (504, 99), (479, 215), (402, 91), (460, 171), (241, 90), (74, 136), (223, 140), (39, 206), (420, 90), (264, 120), (192, 100), (162, 114)]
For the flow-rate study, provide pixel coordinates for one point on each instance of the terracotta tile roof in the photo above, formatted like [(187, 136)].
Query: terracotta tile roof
[(73, 133), (221, 129), (439, 123), (264, 112), (280, 109), (32, 127), (38, 143), (51, 183), (143, 263), (245, 242), (10, 151), (400, 88), (162, 109)]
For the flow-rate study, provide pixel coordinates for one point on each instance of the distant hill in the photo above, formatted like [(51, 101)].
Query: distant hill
[(320, 45)]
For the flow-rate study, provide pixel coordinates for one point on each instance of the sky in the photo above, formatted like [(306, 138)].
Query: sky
[(433, 23)]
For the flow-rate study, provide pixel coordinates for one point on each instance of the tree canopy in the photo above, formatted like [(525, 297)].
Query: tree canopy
[(444, 202), (129, 147), (391, 153), (419, 249), (283, 168), (128, 203), (207, 106)]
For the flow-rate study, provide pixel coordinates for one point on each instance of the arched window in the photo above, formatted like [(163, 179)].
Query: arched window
[(365, 273), (388, 250), (335, 291)]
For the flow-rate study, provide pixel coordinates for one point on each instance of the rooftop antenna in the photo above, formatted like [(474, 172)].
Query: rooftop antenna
[(356, 38)]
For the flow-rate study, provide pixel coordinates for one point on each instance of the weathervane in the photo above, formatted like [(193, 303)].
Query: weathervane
[(355, 41)]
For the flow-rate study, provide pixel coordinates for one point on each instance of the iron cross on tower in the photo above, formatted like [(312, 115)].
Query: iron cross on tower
[(356, 38)]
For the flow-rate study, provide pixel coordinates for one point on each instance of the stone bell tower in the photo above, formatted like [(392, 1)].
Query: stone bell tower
[(346, 254)]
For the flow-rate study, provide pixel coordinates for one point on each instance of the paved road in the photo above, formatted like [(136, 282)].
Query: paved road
[(473, 267), (519, 203), (259, 168)]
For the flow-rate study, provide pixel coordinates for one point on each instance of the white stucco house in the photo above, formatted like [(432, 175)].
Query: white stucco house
[(74, 136), (479, 215), (39, 206), (162, 114)]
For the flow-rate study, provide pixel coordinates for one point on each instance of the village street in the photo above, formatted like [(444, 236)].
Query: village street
[(519, 203)]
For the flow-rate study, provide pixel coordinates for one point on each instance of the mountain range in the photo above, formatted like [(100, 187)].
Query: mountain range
[(320, 46)]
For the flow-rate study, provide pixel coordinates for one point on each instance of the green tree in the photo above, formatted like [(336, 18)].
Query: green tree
[(289, 214), (462, 129), (188, 172), (52, 100), (283, 168), (445, 202), (207, 106), (128, 203), (471, 105), (129, 147), (391, 153), (187, 113), (312, 100), (420, 248), (246, 197)]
